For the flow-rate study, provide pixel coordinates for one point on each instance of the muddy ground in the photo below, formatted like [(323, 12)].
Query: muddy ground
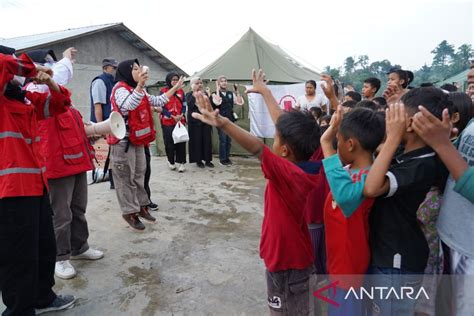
[(200, 258)]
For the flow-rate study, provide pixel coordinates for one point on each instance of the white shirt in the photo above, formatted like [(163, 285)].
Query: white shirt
[(62, 74), (318, 101)]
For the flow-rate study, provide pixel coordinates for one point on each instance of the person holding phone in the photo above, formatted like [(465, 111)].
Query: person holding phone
[(173, 113)]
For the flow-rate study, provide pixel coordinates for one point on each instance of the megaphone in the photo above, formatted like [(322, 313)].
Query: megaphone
[(114, 125)]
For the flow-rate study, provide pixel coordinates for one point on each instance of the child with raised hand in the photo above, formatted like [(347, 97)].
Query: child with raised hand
[(285, 243), (400, 182), (456, 217), (460, 113), (346, 210)]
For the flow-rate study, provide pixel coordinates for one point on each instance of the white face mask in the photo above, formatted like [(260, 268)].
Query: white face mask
[(19, 80), (49, 65)]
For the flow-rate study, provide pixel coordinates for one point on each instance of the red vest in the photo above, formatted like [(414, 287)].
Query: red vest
[(174, 106), (64, 145), (21, 166), (140, 124)]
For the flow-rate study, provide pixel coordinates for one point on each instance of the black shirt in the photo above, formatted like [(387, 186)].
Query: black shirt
[(226, 108), (192, 107), (394, 228)]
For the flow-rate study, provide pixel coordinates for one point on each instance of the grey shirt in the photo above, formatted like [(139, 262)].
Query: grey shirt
[(456, 218), (99, 92)]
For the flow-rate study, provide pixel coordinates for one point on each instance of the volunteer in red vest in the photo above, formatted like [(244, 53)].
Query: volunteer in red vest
[(172, 114), (128, 155), (27, 243), (68, 156)]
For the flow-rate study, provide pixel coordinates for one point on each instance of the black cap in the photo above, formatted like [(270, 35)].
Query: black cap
[(6, 50), (39, 55), (109, 61)]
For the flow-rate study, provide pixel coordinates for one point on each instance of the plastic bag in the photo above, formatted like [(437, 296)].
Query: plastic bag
[(180, 134)]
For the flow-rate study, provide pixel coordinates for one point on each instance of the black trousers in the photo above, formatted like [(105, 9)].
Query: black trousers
[(148, 171), (174, 152), (200, 142), (27, 254)]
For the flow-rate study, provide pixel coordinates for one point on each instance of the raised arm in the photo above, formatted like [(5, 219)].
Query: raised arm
[(238, 99), (436, 133), (377, 183), (249, 142), (259, 86), (63, 69), (328, 89), (175, 88), (329, 135), (11, 66)]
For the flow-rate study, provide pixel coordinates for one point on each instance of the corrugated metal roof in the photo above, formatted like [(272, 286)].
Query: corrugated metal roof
[(29, 42)]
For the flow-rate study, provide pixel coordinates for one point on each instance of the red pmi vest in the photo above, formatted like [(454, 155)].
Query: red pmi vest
[(64, 145), (21, 166), (174, 106), (139, 121)]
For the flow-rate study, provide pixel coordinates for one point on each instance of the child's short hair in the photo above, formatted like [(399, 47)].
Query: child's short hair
[(367, 104), (380, 101), (365, 125), (354, 95), (316, 110), (449, 87), (300, 132), (374, 82), (326, 118), (433, 99), (349, 104)]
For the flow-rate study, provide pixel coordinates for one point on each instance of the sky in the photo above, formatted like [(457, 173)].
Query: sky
[(192, 34)]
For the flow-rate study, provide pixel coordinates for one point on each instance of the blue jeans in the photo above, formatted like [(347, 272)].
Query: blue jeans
[(224, 145), (347, 306), (396, 279)]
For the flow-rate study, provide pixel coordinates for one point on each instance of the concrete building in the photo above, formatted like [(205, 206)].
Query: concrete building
[(94, 43)]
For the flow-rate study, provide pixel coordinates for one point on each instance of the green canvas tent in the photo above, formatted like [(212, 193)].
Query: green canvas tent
[(253, 52), (460, 78)]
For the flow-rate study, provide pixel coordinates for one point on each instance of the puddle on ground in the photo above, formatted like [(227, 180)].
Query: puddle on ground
[(225, 221), (134, 255), (139, 276), (139, 241)]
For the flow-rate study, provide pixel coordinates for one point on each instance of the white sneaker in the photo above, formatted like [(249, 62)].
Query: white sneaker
[(89, 254), (181, 167), (171, 166), (64, 270)]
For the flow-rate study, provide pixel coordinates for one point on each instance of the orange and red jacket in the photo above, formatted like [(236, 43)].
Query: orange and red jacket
[(64, 145), (22, 171)]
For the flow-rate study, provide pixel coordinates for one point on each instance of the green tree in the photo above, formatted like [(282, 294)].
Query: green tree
[(422, 75), (461, 59), (334, 72), (349, 65), (443, 53), (363, 61)]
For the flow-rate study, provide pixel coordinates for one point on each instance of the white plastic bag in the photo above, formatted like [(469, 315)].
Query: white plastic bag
[(180, 134)]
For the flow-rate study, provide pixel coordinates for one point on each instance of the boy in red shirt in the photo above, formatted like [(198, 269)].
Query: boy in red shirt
[(285, 243), (346, 211)]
